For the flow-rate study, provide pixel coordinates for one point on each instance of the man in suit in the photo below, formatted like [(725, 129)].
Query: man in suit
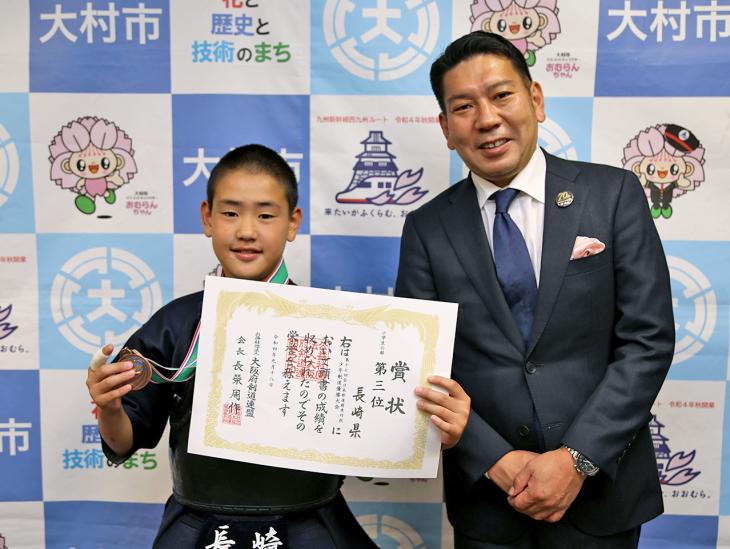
[(565, 329)]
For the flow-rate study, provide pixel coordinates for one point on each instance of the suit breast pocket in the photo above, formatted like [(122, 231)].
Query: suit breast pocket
[(589, 264)]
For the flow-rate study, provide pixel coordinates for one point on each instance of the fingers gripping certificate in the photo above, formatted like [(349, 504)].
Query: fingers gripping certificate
[(318, 380)]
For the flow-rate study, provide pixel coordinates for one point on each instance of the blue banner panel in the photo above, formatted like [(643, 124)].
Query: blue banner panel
[(100, 46), (377, 47), (396, 525), (356, 264), (567, 130), (20, 440), (16, 189), (205, 127), (662, 48), (107, 525), (725, 463), (679, 532), (701, 295), (96, 290)]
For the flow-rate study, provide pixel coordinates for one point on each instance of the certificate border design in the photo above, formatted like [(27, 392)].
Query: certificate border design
[(228, 302)]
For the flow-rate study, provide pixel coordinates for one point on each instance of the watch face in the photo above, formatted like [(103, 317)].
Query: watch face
[(586, 467)]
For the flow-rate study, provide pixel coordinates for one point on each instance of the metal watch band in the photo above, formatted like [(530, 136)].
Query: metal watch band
[(581, 463)]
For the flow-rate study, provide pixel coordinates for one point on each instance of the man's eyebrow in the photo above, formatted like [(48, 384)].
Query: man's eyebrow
[(490, 87)]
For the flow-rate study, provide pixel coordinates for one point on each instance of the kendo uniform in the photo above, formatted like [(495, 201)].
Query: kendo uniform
[(305, 507)]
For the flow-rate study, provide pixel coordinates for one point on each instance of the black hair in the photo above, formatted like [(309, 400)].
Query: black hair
[(469, 45), (256, 159)]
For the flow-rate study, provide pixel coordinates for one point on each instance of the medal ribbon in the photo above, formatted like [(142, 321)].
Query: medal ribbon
[(187, 368)]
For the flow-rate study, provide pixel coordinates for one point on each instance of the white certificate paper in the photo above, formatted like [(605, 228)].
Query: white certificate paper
[(318, 380)]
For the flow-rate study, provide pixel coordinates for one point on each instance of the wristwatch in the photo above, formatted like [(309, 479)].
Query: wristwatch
[(582, 464)]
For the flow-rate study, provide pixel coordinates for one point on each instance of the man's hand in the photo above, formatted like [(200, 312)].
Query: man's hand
[(449, 412), (547, 486), (109, 383), (503, 472)]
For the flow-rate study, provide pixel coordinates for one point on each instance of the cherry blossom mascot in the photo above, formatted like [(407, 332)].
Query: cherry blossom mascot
[(92, 157)]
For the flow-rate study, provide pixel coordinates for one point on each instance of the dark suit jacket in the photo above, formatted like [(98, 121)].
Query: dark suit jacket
[(602, 342)]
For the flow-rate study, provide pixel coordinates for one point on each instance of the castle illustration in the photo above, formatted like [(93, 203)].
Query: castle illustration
[(375, 178)]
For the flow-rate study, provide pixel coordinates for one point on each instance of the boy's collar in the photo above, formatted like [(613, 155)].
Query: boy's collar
[(280, 275)]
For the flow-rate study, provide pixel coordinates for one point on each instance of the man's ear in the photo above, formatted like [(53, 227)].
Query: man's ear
[(538, 101), (205, 215), (445, 129)]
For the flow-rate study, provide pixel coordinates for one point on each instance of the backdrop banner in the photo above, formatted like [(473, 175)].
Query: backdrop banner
[(162, 89)]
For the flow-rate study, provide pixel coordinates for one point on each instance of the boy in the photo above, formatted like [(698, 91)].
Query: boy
[(250, 214)]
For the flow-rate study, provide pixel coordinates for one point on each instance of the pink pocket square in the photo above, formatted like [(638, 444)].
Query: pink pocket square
[(585, 246)]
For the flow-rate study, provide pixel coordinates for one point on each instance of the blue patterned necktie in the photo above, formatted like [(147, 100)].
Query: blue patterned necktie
[(512, 261)]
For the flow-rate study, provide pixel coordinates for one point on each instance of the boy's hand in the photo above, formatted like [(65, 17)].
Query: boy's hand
[(449, 412), (108, 383)]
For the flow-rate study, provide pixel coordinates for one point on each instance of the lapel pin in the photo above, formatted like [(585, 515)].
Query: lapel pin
[(564, 199)]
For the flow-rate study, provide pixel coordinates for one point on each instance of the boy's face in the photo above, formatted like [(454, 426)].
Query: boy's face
[(250, 223)]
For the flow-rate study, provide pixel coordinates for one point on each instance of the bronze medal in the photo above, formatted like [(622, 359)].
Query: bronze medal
[(142, 368)]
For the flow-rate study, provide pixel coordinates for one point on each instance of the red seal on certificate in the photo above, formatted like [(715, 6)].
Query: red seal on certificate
[(142, 367)]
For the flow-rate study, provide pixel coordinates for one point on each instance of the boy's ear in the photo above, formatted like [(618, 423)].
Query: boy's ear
[(295, 220), (205, 214)]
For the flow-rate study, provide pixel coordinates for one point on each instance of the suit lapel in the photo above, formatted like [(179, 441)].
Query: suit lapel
[(558, 238), (464, 227)]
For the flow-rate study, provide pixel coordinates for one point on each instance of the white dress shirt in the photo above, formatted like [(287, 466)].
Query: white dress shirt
[(527, 209)]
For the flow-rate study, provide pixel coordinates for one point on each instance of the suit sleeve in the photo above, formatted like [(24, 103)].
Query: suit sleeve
[(480, 445), (643, 337)]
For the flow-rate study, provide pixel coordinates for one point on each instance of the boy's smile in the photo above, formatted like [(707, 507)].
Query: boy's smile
[(250, 223)]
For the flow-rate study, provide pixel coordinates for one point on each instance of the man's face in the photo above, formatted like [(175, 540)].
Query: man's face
[(249, 223), (491, 116)]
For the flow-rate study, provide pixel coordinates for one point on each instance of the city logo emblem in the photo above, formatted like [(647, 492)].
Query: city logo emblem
[(383, 42), (389, 531), (9, 165), (91, 157), (528, 24), (6, 328), (668, 160), (123, 288), (695, 308), (674, 468), (555, 140), (375, 178)]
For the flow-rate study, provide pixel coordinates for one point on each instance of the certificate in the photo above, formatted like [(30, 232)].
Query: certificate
[(318, 380)]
